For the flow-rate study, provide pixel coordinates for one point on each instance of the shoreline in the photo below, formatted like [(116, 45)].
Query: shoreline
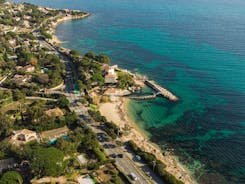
[(118, 114), (55, 40)]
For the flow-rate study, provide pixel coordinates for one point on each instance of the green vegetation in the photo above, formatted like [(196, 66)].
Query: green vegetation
[(45, 34), (2, 1), (153, 162), (101, 58), (75, 53), (11, 177), (48, 162), (89, 73), (6, 125), (124, 80)]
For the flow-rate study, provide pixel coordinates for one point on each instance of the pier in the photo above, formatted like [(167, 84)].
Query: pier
[(160, 91), (146, 97)]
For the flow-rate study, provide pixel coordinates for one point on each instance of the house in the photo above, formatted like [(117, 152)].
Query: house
[(82, 160), (55, 133), (17, 19), (23, 136), (12, 42), (21, 79), (85, 180), (26, 24), (110, 75), (56, 112), (28, 68)]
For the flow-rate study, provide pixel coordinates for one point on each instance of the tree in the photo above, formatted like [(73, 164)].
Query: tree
[(124, 80), (98, 77), (48, 162), (43, 78), (6, 125), (33, 61), (2, 1), (11, 177), (81, 85), (104, 59), (66, 146), (18, 95), (90, 55), (75, 53), (63, 102), (34, 114)]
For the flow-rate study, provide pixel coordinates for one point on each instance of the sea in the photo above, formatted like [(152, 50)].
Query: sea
[(196, 49)]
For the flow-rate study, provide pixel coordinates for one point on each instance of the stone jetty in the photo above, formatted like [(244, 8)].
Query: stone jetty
[(161, 91)]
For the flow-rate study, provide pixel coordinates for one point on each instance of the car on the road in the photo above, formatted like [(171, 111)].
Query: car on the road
[(133, 176), (101, 139), (138, 157), (113, 155), (106, 146), (111, 145), (120, 155)]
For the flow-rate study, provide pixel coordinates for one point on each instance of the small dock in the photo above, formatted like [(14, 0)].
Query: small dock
[(146, 97), (161, 91)]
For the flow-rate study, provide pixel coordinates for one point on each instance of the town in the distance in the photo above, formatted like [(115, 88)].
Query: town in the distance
[(51, 128)]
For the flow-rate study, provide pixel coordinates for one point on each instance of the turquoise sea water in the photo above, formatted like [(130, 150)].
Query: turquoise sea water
[(194, 48)]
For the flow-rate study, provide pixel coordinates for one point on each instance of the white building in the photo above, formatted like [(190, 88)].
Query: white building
[(23, 136), (85, 180)]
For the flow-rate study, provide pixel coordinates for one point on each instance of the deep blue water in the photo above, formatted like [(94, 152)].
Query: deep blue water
[(194, 48)]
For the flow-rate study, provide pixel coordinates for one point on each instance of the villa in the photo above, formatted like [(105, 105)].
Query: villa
[(29, 68), (110, 75), (23, 136), (21, 79), (56, 112), (55, 133), (82, 160)]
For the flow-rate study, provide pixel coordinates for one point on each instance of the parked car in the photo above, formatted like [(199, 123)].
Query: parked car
[(113, 155), (138, 157), (133, 176), (120, 155)]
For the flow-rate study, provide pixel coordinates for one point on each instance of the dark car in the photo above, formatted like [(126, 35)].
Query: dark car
[(106, 146), (113, 155), (120, 155)]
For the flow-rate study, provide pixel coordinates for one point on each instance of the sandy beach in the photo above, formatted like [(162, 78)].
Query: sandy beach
[(116, 112)]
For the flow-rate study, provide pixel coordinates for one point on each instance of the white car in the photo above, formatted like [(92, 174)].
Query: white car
[(138, 157), (133, 176)]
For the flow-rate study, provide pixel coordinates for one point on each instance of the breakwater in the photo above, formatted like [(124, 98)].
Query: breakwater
[(161, 90)]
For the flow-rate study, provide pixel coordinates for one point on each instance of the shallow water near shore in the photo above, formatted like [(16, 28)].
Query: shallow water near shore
[(195, 49)]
